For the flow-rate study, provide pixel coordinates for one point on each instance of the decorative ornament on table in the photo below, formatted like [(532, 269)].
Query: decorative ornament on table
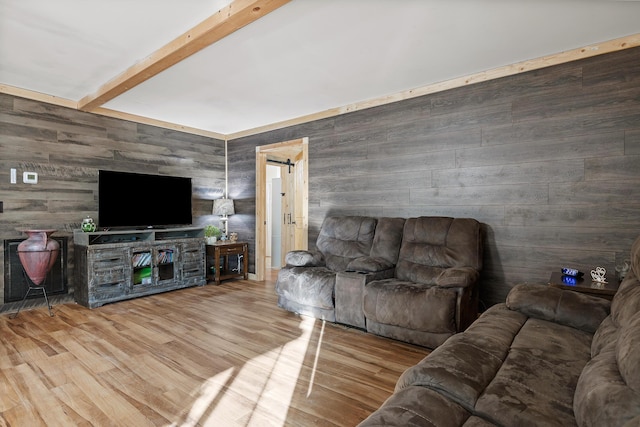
[(598, 275), (88, 226)]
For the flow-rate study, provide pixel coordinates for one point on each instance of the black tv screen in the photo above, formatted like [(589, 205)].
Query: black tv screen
[(142, 201)]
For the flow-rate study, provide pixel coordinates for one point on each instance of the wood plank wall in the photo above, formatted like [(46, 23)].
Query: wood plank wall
[(67, 147), (548, 161)]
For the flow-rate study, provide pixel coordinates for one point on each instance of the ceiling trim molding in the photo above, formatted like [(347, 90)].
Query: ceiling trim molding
[(37, 96), (496, 73), (158, 123), (216, 27), (63, 102)]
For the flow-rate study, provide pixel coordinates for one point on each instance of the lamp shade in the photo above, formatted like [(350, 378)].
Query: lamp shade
[(223, 207)]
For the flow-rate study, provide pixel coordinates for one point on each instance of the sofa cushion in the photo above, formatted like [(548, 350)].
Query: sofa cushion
[(535, 384), (566, 307), (432, 244), (607, 333), (410, 305), (457, 276), (627, 354), (418, 273), (367, 264), (602, 398), (625, 305), (635, 258), (342, 239), (418, 406), (465, 364), (388, 238), (626, 302), (474, 421)]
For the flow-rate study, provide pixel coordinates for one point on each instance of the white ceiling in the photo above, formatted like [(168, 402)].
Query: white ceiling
[(306, 57)]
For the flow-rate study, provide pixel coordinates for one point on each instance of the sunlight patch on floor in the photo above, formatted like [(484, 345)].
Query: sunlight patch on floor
[(315, 360), (210, 389), (261, 391)]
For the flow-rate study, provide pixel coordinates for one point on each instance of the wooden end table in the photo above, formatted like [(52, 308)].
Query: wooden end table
[(219, 254), (585, 286)]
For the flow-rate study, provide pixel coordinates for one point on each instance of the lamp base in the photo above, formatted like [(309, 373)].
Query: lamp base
[(224, 222)]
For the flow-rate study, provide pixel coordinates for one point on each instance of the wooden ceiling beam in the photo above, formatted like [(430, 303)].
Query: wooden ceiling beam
[(224, 22)]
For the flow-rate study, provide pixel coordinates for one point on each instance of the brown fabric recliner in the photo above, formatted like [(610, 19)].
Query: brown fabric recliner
[(306, 285), (434, 291)]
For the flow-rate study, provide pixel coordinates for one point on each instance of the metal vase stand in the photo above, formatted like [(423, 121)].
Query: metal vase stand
[(34, 287)]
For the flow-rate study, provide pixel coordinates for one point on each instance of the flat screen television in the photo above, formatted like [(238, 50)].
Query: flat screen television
[(134, 200)]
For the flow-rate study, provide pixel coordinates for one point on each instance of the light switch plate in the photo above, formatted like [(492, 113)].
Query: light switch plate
[(30, 177), (14, 176)]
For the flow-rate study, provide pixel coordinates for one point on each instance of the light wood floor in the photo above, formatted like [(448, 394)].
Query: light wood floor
[(208, 356)]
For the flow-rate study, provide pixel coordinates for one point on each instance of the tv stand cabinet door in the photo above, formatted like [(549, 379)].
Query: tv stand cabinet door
[(108, 275), (193, 257)]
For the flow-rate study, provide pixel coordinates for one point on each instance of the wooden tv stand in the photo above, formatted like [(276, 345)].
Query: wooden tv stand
[(116, 265)]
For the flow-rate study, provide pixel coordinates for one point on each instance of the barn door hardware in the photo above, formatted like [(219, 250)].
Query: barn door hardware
[(280, 162), (284, 219)]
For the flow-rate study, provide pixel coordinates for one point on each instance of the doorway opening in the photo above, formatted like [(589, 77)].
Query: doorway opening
[(282, 196)]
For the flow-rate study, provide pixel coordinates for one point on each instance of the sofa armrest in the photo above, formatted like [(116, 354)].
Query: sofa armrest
[(304, 259), (561, 306), (457, 277), (368, 264)]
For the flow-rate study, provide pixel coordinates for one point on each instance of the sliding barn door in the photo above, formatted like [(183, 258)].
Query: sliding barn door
[(292, 156)]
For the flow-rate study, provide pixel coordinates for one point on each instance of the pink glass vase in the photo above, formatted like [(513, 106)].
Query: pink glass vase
[(38, 254)]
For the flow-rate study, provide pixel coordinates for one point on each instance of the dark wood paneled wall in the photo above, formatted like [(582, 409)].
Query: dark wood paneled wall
[(67, 148), (548, 161)]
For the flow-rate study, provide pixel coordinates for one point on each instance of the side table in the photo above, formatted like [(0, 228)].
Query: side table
[(585, 286), (219, 255)]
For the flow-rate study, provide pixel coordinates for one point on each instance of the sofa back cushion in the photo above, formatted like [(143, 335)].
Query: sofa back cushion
[(345, 238), (555, 305), (608, 390), (626, 302), (386, 243), (432, 244), (635, 257)]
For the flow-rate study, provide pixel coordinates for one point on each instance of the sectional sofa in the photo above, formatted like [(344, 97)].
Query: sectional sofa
[(415, 279), (546, 357)]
